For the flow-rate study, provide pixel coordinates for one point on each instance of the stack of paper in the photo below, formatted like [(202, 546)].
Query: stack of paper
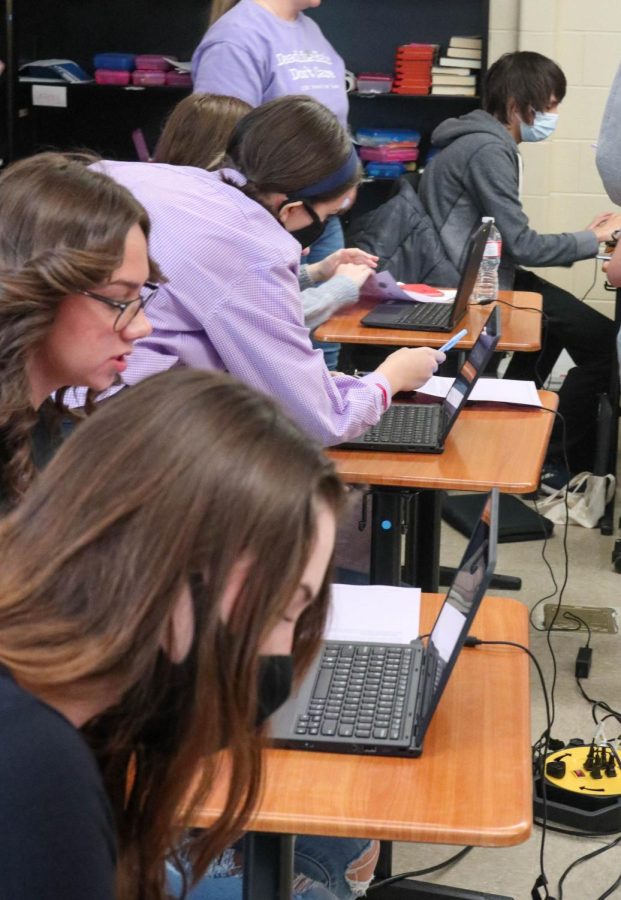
[(373, 613)]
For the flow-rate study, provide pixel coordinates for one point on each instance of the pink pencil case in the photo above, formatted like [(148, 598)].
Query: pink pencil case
[(153, 62), (144, 78), (112, 76), (179, 79), (388, 154)]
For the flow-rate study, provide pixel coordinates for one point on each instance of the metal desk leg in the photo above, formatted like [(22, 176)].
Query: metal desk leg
[(413, 517), (422, 540), (388, 523), (268, 866)]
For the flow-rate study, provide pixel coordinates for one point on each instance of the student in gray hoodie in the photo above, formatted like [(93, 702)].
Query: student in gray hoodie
[(479, 173)]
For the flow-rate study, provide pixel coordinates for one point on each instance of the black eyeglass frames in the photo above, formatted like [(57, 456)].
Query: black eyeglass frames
[(128, 309)]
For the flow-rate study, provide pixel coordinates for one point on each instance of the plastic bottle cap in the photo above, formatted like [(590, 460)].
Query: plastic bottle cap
[(488, 219)]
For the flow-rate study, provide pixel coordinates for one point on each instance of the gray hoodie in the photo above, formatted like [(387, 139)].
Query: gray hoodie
[(477, 174), (608, 157)]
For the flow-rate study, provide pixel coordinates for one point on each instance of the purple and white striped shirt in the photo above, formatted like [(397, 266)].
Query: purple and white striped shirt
[(232, 300)]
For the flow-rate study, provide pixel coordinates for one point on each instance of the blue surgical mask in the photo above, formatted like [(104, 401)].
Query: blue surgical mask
[(543, 126)]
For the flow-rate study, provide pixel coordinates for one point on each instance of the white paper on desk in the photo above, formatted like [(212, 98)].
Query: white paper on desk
[(490, 390), (373, 612)]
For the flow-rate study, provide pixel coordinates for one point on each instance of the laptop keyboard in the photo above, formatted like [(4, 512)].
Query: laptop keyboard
[(406, 424), (426, 314), (360, 692)]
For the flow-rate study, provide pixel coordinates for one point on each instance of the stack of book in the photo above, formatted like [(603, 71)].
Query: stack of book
[(413, 66), (456, 73)]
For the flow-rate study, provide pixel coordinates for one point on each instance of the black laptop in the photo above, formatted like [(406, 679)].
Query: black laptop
[(380, 698), (410, 315), (424, 427)]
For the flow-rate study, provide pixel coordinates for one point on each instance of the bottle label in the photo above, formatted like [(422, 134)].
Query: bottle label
[(493, 248)]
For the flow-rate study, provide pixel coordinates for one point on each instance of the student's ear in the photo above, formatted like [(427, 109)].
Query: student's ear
[(288, 209)]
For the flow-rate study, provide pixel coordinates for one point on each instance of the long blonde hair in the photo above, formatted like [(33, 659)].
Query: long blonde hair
[(198, 130), (175, 480)]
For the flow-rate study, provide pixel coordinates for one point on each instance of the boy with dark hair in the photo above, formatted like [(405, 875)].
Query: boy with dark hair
[(479, 173)]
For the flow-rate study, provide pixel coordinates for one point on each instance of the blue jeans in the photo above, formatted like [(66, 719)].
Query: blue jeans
[(332, 239), (323, 860)]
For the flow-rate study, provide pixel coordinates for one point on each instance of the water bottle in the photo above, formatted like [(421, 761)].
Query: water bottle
[(486, 287)]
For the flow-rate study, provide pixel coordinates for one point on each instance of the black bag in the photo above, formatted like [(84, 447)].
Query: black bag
[(516, 521)]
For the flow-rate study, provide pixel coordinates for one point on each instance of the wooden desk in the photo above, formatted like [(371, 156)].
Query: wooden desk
[(472, 784), (521, 328), (489, 445)]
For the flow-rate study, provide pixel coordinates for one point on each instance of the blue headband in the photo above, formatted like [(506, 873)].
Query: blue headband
[(342, 176)]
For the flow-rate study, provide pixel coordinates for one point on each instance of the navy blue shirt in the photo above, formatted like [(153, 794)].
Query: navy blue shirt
[(57, 837)]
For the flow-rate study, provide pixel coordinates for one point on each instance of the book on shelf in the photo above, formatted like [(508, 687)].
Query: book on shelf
[(466, 42), (466, 90), (463, 53), (453, 79), (449, 70), (459, 63)]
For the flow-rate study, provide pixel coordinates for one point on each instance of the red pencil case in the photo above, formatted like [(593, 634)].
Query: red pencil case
[(179, 79), (153, 62), (144, 78), (112, 76), (387, 154)]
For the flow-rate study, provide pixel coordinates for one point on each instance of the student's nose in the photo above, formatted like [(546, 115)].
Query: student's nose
[(139, 327)]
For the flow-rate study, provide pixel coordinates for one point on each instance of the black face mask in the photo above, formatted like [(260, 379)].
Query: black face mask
[(310, 233), (275, 679)]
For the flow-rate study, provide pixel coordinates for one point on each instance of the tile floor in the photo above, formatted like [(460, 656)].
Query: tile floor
[(511, 872)]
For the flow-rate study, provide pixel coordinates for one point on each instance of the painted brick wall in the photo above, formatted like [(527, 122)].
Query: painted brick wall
[(562, 189)]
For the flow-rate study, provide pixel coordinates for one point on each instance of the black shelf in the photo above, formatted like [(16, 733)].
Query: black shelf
[(365, 33), (390, 95)]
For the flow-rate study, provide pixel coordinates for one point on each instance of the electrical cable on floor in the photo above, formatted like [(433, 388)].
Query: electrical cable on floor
[(542, 881), (585, 858), (611, 889), (416, 873)]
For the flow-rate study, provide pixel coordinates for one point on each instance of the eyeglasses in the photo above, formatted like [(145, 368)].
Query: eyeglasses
[(128, 309)]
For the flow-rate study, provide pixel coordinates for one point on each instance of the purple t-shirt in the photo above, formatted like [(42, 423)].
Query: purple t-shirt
[(255, 55)]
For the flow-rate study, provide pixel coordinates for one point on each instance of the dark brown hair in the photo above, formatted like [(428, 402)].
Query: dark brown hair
[(62, 229), (218, 8), (198, 129), (527, 78), (286, 144), (179, 478)]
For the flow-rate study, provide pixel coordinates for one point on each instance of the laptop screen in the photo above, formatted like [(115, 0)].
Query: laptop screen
[(473, 367), (461, 603)]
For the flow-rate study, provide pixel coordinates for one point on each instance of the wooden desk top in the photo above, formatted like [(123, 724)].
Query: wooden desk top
[(521, 328), (472, 784), (489, 445)]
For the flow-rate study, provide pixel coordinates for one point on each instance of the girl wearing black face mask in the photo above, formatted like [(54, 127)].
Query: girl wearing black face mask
[(117, 684), (232, 299)]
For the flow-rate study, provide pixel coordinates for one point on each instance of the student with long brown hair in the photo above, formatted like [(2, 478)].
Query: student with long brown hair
[(151, 576), (196, 133), (74, 277)]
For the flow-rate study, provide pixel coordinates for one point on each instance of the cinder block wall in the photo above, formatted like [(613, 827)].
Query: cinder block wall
[(562, 189)]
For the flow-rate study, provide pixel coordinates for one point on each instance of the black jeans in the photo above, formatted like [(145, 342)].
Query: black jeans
[(589, 338)]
